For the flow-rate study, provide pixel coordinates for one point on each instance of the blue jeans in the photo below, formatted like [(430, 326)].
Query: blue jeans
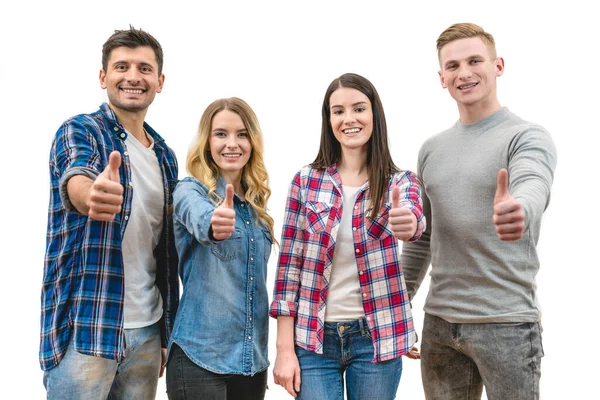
[(457, 360), (348, 348), (80, 376), (186, 380)]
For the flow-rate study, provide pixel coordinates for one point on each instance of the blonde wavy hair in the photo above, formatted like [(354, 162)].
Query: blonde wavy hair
[(255, 178)]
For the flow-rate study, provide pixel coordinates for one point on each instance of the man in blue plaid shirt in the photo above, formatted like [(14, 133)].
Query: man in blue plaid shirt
[(110, 289)]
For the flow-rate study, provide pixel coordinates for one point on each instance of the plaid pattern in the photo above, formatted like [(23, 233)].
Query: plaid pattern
[(83, 284), (312, 216)]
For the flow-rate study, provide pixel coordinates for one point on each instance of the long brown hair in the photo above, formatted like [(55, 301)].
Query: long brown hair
[(380, 166)]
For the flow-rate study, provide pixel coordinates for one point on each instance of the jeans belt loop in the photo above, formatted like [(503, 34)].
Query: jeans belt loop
[(362, 326)]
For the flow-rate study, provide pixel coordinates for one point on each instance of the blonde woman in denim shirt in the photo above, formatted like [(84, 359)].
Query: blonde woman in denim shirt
[(218, 349)]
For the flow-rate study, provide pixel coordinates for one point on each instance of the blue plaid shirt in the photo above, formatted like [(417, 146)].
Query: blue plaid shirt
[(83, 286)]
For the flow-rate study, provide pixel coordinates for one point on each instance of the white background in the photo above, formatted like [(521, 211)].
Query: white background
[(280, 57)]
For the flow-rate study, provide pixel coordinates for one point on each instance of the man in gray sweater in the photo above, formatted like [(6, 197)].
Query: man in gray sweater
[(487, 182)]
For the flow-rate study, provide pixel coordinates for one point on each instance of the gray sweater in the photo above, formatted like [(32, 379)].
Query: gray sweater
[(476, 277)]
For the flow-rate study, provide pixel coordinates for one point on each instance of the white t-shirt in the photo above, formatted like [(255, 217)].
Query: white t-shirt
[(344, 301), (143, 302)]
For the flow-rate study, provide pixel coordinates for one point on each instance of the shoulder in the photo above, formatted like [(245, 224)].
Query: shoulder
[(403, 177), (190, 184)]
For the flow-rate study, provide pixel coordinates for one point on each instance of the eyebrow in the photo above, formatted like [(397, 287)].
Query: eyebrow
[(467, 59), (353, 105)]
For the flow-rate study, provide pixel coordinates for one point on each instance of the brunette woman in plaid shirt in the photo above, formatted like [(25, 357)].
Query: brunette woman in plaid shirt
[(340, 298)]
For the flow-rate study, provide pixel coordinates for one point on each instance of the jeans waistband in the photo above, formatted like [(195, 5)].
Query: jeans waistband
[(347, 327)]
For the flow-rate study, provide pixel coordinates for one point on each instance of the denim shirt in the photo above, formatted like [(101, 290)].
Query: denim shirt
[(222, 321)]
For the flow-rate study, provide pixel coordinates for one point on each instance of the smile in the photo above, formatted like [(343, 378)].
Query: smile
[(351, 131), (133, 91), (469, 86), (231, 155)]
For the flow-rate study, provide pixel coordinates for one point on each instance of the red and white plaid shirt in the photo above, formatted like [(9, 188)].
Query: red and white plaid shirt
[(312, 218)]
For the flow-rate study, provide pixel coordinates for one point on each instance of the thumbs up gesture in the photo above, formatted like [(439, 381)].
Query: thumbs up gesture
[(509, 217), (106, 192), (223, 219), (402, 220)]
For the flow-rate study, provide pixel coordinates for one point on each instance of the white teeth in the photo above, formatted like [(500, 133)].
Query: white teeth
[(467, 86), (133, 91), (231, 155), (353, 130)]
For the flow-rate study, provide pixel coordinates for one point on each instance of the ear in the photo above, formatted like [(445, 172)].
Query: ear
[(442, 81), (161, 82), (499, 66), (102, 79)]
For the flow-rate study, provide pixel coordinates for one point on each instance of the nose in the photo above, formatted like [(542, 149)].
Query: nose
[(349, 118), (133, 76), (231, 142), (464, 72)]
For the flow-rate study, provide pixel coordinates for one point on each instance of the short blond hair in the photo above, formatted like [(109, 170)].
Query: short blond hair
[(465, 30)]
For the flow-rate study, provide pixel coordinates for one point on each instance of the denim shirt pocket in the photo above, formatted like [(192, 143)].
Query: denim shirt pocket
[(268, 244), (378, 228), (317, 216), (229, 249)]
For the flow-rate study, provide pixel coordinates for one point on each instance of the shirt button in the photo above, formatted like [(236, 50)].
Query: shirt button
[(127, 218), (354, 228), (250, 318), (356, 207), (364, 295), (252, 239), (131, 185), (368, 318), (126, 153), (251, 258), (249, 337), (116, 129), (251, 278), (361, 272), (250, 297), (123, 135), (247, 222), (357, 251)]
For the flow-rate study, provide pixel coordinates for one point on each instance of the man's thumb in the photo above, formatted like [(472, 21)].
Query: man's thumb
[(228, 196), (502, 186), (396, 197), (114, 163)]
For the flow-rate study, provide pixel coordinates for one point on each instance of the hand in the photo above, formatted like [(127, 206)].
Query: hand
[(286, 372), (106, 193), (223, 219), (163, 362), (414, 353), (509, 217), (402, 220)]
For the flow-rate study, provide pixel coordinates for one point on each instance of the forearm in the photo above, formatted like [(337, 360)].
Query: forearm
[(285, 333), (78, 191)]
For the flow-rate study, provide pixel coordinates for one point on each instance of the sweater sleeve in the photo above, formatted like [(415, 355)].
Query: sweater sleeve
[(531, 165)]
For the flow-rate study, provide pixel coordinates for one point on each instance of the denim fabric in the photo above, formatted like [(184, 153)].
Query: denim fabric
[(457, 360), (222, 321), (348, 348), (81, 377), (186, 380)]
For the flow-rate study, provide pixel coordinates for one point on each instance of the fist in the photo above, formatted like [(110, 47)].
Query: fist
[(402, 220), (509, 217), (223, 219), (106, 192)]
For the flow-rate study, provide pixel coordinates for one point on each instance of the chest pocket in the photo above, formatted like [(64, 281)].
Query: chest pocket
[(378, 228), (268, 243), (229, 249), (317, 216)]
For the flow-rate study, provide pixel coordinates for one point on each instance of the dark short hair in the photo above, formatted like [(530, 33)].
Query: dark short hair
[(131, 38)]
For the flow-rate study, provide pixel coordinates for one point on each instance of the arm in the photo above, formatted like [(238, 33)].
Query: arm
[(287, 370), (287, 279), (406, 215), (416, 255), (193, 209), (519, 205)]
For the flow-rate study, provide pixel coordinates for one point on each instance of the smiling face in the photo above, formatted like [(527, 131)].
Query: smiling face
[(469, 70), (229, 144), (131, 78), (351, 117)]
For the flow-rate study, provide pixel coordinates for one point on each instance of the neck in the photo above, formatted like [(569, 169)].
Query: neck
[(353, 167), (471, 113), (234, 178), (133, 121)]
